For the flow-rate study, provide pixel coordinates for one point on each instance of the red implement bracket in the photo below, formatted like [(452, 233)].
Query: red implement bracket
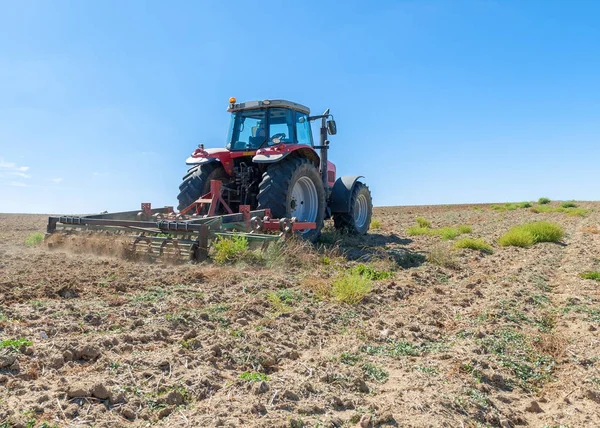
[(213, 198), (296, 225)]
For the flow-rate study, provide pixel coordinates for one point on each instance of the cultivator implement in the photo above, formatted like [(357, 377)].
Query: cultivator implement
[(154, 233)]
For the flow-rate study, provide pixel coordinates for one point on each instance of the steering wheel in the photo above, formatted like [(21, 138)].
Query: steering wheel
[(279, 135)]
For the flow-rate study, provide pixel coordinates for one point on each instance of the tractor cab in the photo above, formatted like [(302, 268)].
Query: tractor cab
[(260, 124)]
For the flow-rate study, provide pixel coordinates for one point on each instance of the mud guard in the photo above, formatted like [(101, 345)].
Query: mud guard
[(339, 202), (200, 161), (269, 158)]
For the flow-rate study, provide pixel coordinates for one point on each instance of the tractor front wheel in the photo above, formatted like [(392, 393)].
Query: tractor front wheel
[(293, 188), (358, 220)]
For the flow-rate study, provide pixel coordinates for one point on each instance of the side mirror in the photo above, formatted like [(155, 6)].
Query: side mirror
[(331, 127)]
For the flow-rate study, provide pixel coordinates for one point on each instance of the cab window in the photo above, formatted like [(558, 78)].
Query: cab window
[(281, 125), (303, 131)]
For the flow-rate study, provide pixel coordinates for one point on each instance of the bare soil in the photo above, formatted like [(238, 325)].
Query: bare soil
[(504, 339)]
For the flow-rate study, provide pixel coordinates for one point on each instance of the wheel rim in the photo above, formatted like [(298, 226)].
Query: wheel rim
[(304, 203), (361, 210)]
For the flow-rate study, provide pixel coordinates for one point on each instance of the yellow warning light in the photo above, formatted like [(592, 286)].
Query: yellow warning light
[(232, 100)]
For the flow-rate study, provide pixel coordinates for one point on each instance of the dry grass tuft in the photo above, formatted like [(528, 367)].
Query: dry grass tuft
[(442, 256)]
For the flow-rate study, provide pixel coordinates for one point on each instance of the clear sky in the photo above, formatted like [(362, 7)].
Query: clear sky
[(436, 101)]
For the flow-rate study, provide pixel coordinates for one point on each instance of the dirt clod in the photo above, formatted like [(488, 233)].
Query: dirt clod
[(534, 407)]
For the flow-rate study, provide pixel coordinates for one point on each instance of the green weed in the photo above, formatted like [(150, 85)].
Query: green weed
[(544, 201), (423, 222), (34, 239), (230, 249), (374, 372), (474, 244), (349, 358), (375, 224), (253, 377), (531, 233), (418, 230), (371, 273), (15, 344), (591, 275), (351, 287), (464, 228)]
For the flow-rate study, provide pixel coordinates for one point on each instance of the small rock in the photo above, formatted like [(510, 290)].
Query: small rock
[(43, 335), (337, 402), (15, 366), (43, 398), (57, 361), (361, 386), (290, 395), (261, 388), (259, 408), (89, 352), (7, 360), (190, 335), (534, 407), (100, 391), (365, 421), (116, 397), (78, 390), (242, 321), (504, 423), (592, 328), (128, 413), (385, 333), (138, 323), (174, 397), (165, 412), (592, 395), (216, 351), (68, 355)]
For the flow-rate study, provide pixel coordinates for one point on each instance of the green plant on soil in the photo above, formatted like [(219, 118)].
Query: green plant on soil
[(375, 224), (371, 273), (532, 233), (544, 201), (465, 228), (569, 204), (351, 287), (230, 250), (474, 244), (253, 377), (514, 351), (375, 372), (15, 344), (591, 275), (423, 222), (34, 239), (570, 211)]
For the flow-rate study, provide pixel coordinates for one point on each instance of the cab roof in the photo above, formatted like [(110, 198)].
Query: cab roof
[(250, 105)]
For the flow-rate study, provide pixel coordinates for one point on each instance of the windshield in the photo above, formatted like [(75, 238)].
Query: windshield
[(247, 130)]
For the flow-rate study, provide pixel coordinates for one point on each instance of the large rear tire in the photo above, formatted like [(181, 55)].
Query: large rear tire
[(293, 188), (358, 220), (196, 183)]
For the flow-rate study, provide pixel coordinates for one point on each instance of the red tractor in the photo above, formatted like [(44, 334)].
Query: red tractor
[(270, 161)]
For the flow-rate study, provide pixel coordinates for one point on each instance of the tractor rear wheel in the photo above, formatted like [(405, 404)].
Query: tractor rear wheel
[(293, 188), (358, 220), (196, 183)]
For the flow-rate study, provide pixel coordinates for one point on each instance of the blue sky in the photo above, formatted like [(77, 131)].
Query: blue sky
[(436, 102)]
